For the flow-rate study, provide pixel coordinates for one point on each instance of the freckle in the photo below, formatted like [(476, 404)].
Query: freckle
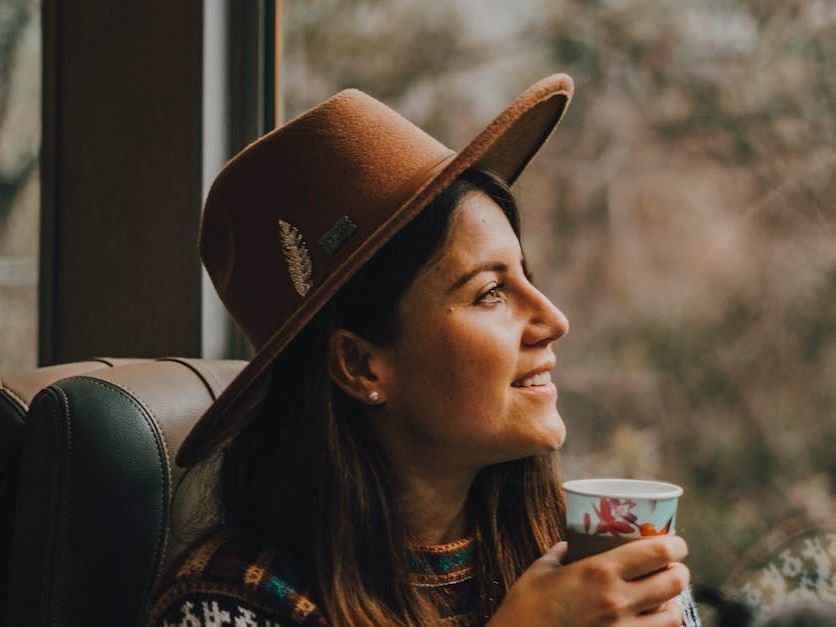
[(449, 310)]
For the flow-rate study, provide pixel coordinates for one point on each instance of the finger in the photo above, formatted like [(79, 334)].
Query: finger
[(658, 608), (670, 616), (559, 551), (556, 554), (649, 555), (659, 589)]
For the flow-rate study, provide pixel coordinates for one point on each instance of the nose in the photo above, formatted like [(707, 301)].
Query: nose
[(546, 322)]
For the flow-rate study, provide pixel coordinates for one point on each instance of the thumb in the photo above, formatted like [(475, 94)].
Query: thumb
[(556, 554)]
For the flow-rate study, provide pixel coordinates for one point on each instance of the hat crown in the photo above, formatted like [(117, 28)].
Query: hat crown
[(284, 213)]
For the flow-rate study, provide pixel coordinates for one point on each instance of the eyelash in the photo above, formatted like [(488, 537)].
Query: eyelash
[(499, 287)]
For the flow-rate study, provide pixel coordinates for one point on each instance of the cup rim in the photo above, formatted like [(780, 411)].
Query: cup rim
[(624, 488)]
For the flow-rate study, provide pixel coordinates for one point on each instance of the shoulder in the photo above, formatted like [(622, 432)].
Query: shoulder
[(232, 578)]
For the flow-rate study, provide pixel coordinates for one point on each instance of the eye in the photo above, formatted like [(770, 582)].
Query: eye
[(493, 295)]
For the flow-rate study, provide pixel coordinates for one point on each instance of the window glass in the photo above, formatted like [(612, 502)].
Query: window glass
[(682, 217), (20, 128)]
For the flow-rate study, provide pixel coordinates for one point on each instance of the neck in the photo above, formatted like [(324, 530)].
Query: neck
[(431, 491), (433, 504)]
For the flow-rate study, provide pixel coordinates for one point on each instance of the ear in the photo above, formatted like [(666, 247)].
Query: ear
[(358, 367)]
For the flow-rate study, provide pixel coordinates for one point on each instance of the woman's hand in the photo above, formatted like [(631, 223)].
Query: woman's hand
[(633, 584)]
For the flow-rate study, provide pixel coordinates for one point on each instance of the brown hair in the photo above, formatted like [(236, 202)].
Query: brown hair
[(309, 471)]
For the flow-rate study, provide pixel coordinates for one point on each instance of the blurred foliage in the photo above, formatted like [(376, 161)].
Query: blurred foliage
[(20, 138), (682, 216)]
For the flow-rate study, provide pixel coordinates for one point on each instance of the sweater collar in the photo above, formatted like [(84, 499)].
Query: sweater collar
[(442, 563)]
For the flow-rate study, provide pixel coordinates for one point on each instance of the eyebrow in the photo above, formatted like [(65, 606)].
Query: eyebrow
[(488, 266)]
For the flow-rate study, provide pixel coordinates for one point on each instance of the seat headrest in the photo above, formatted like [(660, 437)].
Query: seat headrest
[(96, 479)]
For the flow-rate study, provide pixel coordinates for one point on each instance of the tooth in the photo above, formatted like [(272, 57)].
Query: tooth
[(539, 379)]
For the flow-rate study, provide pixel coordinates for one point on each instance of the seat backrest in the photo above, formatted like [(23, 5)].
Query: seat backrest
[(16, 394), (91, 533)]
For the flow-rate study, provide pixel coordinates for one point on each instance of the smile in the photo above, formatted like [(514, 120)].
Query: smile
[(539, 385), (544, 378)]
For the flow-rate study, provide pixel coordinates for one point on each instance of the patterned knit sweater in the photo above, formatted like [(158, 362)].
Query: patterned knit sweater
[(232, 579)]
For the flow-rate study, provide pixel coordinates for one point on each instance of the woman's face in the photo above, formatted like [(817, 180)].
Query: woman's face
[(468, 380)]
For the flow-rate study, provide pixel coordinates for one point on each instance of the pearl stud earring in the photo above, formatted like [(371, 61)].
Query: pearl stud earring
[(373, 396)]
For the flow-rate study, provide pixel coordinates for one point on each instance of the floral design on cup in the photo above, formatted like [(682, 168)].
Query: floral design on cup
[(615, 517), (621, 508)]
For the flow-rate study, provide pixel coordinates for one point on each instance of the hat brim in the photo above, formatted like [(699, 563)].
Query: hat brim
[(505, 147)]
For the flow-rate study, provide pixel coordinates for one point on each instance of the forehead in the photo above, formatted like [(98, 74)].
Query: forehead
[(479, 231)]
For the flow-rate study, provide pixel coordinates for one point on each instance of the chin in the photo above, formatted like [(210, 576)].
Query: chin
[(549, 446), (554, 434), (532, 437), (547, 439)]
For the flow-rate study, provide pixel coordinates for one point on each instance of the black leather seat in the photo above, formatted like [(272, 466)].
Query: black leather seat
[(92, 523), (16, 394)]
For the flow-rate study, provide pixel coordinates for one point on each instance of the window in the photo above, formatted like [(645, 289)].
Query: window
[(682, 216), (20, 129)]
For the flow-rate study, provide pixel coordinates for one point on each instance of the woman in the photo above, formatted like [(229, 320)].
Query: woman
[(387, 455)]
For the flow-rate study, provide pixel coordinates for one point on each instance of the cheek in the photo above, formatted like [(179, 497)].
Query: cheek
[(465, 368)]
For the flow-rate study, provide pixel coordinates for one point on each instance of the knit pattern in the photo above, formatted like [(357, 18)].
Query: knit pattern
[(232, 579), (690, 617), (445, 575)]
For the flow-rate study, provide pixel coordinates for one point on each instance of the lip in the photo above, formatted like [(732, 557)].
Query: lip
[(548, 390), (539, 370)]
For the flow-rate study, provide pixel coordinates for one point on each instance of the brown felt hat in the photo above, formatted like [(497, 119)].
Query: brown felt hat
[(292, 217)]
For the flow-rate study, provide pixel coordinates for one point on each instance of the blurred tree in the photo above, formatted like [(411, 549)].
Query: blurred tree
[(682, 216), (20, 137)]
